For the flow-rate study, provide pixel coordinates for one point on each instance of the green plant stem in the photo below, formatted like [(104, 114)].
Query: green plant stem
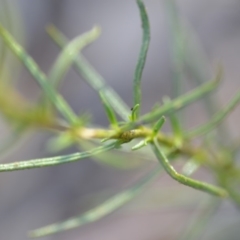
[(137, 95), (6, 13), (39, 76), (217, 191), (177, 57), (69, 53), (109, 111), (185, 149), (88, 133), (92, 77), (175, 122), (181, 101), (194, 59), (52, 161), (216, 119)]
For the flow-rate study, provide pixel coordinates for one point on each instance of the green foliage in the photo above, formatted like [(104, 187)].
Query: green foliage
[(142, 56), (100, 211), (165, 147)]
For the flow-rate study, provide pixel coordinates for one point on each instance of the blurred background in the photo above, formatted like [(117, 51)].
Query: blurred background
[(35, 198)]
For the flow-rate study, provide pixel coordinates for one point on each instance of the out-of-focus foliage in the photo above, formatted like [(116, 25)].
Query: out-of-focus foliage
[(52, 112)]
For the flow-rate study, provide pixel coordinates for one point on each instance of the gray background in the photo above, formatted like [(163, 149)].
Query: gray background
[(30, 199)]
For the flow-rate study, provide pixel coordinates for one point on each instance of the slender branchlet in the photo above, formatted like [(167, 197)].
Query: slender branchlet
[(142, 130)]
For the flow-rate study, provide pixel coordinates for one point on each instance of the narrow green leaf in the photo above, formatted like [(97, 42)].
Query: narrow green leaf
[(182, 101), (11, 20), (100, 211), (175, 122), (216, 119), (39, 76), (158, 125), (109, 111), (178, 52), (194, 57), (92, 77), (176, 126), (69, 53), (52, 161), (175, 104), (203, 186), (133, 116), (141, 144), (142, 56)]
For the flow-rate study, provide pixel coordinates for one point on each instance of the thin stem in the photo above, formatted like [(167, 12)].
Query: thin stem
[(175, 122), (216, 119), (142, 57), (142, 132), (177, 54), (195, 59), (175, 104), (182, 101), (92, 77), (39, 76), (183, 179), (88, 133), (100, 211), (69, 53), (109, 111), (52, 161)]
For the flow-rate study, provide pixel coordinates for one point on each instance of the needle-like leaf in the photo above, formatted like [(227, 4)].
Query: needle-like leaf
[(158, 125), (39, 76), (133, 116), (217, 191), (175, 122), (176, 104), (137, 95), (52, 161), (109, 111), (69, 53), (92, 77), (141, 144), (216, 119), (183, 100), (100, 211)]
